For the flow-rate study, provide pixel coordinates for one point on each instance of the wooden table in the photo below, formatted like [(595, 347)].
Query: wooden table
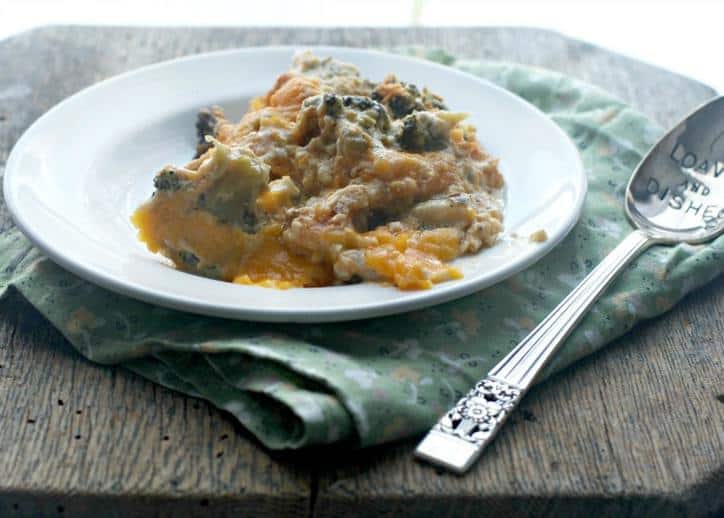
[(646, 435)]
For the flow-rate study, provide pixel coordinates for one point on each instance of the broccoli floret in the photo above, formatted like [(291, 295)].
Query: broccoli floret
[(423, 131), (371, 107), (190, 262), (206, 123), (401, 105), (404, 98), (235, 179), (358, 102), (189, 259), (169, 179), (332, 105)]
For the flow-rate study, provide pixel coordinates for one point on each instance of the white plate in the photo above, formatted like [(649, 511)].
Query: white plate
[(77, 174)]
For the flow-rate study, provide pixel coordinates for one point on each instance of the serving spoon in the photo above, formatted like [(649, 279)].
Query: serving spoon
[(675, 195)]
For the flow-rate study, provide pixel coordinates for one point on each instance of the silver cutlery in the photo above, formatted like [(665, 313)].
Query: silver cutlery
[(676, 195)]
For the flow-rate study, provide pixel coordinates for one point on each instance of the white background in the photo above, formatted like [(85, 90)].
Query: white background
[(686, 36)]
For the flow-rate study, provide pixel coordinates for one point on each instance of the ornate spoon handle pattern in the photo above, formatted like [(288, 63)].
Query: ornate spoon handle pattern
[(459, 437)]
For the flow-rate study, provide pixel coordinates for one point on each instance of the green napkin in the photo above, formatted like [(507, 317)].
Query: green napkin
[(378, 380)]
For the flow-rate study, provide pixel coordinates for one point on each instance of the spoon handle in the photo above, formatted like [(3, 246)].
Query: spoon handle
[(459, 437)]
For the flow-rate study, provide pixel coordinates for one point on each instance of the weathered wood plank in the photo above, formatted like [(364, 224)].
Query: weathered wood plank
[(71, 430), (646, 435)]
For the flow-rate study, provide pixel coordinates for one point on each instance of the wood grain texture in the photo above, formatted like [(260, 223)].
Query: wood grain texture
[(636, 429), (72, 430)]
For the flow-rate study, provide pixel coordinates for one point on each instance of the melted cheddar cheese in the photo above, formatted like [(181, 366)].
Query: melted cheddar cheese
[(328, 179)]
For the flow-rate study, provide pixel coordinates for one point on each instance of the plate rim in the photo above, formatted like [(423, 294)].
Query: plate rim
[(137, 291)]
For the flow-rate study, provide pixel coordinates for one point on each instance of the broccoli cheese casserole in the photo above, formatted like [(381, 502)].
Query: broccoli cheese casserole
[(329, 179)]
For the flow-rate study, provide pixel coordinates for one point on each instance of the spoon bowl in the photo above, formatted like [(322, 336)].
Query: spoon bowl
[(676, 194)]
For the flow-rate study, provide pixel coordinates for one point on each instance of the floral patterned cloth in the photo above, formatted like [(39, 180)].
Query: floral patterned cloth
[(372, 381)]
